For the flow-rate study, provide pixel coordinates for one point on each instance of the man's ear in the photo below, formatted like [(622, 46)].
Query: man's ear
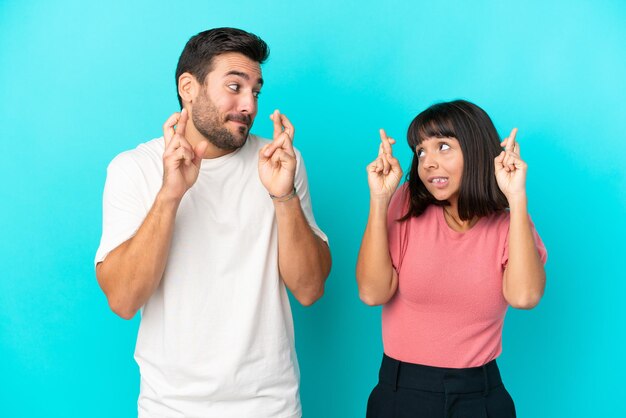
[(188, 87)]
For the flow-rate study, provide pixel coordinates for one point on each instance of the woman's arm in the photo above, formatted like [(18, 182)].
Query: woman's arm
[(524, 277), (376, 277)]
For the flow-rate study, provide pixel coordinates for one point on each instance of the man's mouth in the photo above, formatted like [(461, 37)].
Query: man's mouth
[(242, 119)]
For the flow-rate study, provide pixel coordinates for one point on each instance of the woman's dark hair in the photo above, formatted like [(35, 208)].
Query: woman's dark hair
[(479, 194), (197, 56)]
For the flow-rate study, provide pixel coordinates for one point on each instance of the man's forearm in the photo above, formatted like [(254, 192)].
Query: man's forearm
[(130, 273), (303, 258)]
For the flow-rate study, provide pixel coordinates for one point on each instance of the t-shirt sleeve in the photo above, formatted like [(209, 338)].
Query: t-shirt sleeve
[(123, 209), (541, 248), (302, 189), (396, 231)]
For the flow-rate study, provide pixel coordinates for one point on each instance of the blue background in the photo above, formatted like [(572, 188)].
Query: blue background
[(80, 82)]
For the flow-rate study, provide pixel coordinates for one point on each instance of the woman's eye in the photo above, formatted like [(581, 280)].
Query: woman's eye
[(444, 147), (256, 93), (420, 153)]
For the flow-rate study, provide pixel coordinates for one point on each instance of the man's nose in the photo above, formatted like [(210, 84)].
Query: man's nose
[(247, 103)]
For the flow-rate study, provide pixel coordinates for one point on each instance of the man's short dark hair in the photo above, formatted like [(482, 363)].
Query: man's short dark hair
[(479, 194), (197, 56)]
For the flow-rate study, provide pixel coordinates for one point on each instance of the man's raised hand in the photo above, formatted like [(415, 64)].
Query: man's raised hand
[(277, 160), (181, 161)]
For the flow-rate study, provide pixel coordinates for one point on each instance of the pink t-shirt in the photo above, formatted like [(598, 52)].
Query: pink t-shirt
[(449, 308)]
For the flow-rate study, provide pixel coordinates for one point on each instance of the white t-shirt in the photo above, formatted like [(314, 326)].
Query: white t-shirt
[(216, 338)]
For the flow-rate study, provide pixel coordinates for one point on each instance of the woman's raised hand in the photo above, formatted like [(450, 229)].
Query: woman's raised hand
[(384, 173), (511, 169)]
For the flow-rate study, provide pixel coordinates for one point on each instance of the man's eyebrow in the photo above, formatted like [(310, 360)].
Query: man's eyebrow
[(243, 75)]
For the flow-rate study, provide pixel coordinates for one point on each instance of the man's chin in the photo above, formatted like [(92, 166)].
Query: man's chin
[(226, 139), (236, 142), (239, 135), (240, 143)]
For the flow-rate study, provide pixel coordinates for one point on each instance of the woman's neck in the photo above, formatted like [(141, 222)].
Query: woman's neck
[(451, 215)]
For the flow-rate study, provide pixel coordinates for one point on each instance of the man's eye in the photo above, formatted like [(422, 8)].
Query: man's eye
[(234, 87), (256, 93)]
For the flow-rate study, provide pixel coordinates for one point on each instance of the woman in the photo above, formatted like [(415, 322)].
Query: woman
[(446, 258)]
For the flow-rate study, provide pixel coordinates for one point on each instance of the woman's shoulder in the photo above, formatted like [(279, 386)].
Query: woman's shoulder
[(497, 221), (400, 201)]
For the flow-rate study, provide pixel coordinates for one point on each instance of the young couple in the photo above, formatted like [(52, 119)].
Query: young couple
[(206, 227)]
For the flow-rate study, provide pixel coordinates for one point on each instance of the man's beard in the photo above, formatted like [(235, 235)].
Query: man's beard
[(206, 119)]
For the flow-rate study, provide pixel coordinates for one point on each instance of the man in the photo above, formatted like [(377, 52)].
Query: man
[(202, 230)]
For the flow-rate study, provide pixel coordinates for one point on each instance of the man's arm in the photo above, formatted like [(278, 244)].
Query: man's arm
[(303, 257), (131, 272)]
